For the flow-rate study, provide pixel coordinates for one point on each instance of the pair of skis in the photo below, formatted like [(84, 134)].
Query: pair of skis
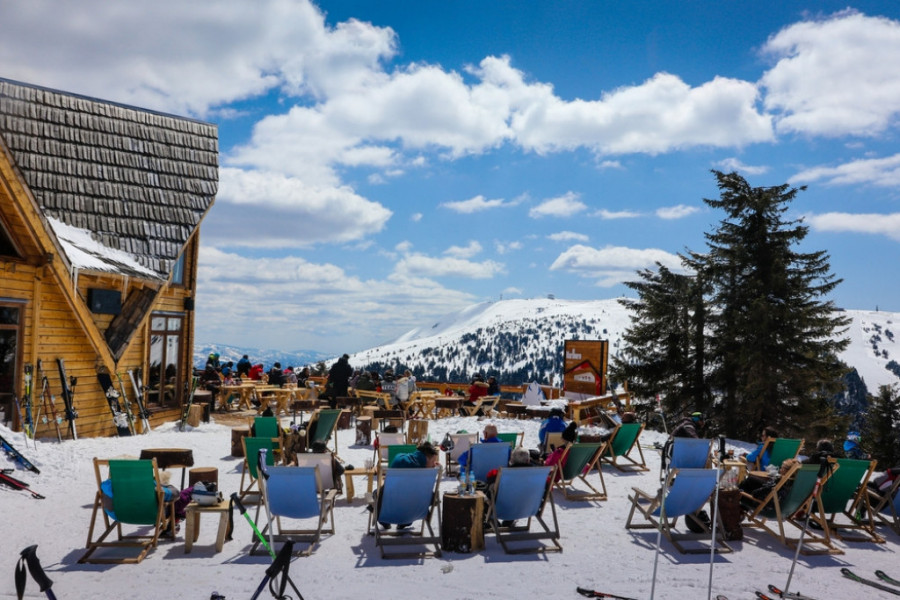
[(779, 593), (122, 419), (10, 481), (17, 456), (68, 394), (138, 386), (595, 594), (195, 383), (877, 584)]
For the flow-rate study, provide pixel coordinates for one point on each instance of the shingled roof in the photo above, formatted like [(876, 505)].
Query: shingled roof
[(136, 182)]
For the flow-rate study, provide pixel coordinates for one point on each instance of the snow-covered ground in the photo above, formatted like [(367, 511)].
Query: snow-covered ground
[(599, 552)]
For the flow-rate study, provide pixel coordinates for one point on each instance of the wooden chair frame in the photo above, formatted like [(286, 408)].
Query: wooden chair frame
[(577, 462), (522, 493), (406, 496)]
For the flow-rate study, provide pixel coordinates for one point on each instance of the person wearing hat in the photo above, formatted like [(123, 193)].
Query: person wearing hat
[(852, 449), (554, 423), (690, 426)]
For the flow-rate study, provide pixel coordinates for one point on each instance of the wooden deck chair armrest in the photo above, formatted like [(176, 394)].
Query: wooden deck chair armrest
[(638, 492), (330, 495)]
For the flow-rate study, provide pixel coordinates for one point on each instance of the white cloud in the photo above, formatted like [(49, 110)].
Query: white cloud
[(512, 291), (734, 164), (420, 265), (612, 265), (476, 204), (618, 214), (468, 251), (883, 172), (877, 224), (568, 236), (404, 246), (609, 164), (676, 212), (835, 76), (562, 206), (507, 247), (416, 217)]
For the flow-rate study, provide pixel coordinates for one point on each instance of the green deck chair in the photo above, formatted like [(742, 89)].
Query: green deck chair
[(848, 487), (250, 472), (269, 427), (325, 421), (137, 499), (784, 449), (791, 509), (577, 463), (621, 444), (514, 439)]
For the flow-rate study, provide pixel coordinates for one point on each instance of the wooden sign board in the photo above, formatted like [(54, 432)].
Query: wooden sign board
[(585, 368)]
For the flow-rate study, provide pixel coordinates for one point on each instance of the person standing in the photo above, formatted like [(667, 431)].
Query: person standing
[(690, 426), (339, 379)]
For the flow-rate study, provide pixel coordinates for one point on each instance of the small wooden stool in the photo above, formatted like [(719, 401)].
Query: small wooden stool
[(363, 431), (462, 519), (195, 414), (192, 523), (203, 474)]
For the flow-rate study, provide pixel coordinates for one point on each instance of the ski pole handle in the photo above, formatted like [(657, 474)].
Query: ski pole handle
[(34, 567), (237, 502)]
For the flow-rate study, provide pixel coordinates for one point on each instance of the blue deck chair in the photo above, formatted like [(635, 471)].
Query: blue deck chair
[(292, 495), (135, 497), (522, 493), (687, 491), (483, 458), (577, 462), (690, 453), (406, 496)]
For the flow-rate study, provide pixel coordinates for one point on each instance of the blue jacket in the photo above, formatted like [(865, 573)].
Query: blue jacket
[(766, 458), (552, 424)]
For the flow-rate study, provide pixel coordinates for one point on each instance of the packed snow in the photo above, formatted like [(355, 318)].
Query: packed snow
[(599, 553)]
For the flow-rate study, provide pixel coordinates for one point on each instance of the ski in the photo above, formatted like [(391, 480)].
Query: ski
[(870, 582), (195, 382), (788, 595), (120, 419), (128, 412), (14, 483), (16, 455), (763, 596), (887, 578), (596, 594), (68, 393), (28, 401), (49, 399), (138, 386)]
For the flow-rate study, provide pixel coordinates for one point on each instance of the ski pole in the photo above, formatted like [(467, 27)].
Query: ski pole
[(823, 468), (243, 510), (28, 556)]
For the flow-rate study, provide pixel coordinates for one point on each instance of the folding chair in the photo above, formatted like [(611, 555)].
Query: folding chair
[(624, 440), (137, 498), (483, 458), (489, 405), (886, 506), (461, 444), (322, 427), (386, 440), (322, 462), (293, 493), (781, 450), (514, 439), (791, 509), (523, 493), (690, 453), (249, 472), (552, 440), (406, 496), (577, 462), (269, 427), (687, 490), (848, 485)]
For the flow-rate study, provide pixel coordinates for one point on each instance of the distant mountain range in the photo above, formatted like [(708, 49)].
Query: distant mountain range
[(522, 340)]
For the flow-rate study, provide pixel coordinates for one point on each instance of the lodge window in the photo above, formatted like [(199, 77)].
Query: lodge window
[(11, 317), (165, 380), (178, 270)]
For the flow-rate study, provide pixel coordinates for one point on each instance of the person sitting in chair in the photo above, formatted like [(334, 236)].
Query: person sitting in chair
[(764, 457), (554, 423), (490, 437), (690, 426), (424, 456)]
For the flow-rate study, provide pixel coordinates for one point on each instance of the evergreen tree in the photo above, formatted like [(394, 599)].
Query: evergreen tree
[(665, 345), (771, 333), (881, 432)]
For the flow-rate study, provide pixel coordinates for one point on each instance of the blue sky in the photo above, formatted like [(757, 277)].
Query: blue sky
[(384, 163)]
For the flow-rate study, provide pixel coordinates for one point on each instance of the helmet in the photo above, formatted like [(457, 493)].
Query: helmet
[(697, 416)]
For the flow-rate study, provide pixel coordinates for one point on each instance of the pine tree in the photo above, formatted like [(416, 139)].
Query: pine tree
[(772, 336), (881, 432), (665, 344)]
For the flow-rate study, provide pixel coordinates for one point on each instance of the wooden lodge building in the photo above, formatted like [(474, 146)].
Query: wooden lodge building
[(100, 211)]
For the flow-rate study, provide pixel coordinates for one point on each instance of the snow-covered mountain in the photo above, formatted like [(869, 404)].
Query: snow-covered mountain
[(522, 340), (266, 357)]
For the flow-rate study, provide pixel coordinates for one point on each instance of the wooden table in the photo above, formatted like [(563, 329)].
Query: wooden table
[(283, 396), (192, 523), (462, 522), (447, 406), (170, 457), (349, 491)]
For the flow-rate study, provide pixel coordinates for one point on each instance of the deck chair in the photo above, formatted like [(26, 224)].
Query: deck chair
[(484, 458), (798, 499), (886, 506), (387, 416), (461, 442), (781, 450), (848, 486), (489, 405), (322, 462), (385, 440), (322, 427), (249, 473), (577, 462), (522, 493), (395, 450), (623, 442), (514, 438), (138, 500), (269, 427), (690, 453), (552, 440), (292, 495), (406, 496), (687, 490)]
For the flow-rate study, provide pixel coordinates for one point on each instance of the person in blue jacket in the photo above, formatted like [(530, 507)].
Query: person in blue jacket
[(424, 456), (554, 423), (490, 437), (764, 460)]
